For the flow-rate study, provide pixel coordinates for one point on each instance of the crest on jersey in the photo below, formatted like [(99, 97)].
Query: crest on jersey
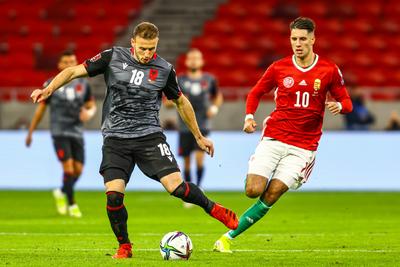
[(288, 82), (79, 88), (95, 58), (317, 84), (204, 84), (153, 74)]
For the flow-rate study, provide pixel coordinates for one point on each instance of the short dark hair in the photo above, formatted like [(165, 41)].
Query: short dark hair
[(303, 23), (66, 53), (146, 30)]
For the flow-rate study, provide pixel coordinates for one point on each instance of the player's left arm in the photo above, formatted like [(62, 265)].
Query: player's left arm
[(185, 110), (216, 98), (89, 107), (338, 91)]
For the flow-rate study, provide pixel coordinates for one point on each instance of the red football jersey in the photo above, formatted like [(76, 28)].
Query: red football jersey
[(300, 96)]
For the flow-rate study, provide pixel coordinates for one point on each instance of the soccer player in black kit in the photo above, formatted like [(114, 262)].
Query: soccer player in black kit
[(70, 106), (136, 77), (202, 91)]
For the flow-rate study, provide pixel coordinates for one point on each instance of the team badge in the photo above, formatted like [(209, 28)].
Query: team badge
[(153, 74), (317, 84), (78, 88), (95, 58), (288, 82), (204, 84)]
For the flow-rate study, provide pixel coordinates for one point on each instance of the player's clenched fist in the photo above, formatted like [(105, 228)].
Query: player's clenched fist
[(39, 95), (249, 126), (333, 107), (206, 145)]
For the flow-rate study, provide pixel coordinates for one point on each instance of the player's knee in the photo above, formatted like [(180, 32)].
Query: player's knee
[(115, 199), (77, 173), (253, 191)]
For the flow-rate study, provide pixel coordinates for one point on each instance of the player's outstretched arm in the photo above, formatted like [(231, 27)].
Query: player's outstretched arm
[(37, 117), (186, 112), (61, 79)]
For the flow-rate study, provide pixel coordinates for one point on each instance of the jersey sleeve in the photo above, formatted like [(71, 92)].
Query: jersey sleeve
[(99, 63), (172, 89), (339, 92), (263, 86), (88, 93)]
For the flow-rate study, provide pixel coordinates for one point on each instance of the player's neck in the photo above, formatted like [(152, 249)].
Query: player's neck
[(194, 74), (306, 61)]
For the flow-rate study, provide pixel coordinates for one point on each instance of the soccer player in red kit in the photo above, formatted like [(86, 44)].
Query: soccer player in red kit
[(285, 156)]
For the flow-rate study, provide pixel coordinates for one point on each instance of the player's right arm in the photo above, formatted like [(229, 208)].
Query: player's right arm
[(263, 86), (61, 79), (37, 117)]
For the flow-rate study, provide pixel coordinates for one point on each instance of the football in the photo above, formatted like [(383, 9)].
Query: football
[(176, 246)]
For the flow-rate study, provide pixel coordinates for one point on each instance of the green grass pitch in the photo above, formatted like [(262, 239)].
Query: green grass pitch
[(302, 229)]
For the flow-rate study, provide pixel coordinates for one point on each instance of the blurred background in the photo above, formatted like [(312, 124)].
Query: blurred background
[(239, 41)]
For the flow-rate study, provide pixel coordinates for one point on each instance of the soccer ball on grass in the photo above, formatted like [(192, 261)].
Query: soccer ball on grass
[(176, 246)]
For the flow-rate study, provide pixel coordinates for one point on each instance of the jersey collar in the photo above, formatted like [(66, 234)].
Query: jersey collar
[(305, 69)]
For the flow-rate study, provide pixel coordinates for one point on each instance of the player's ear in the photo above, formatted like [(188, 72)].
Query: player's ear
[(133, 42)]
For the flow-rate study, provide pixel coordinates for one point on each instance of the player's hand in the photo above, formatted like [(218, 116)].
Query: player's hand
[(84, 115), (249, 126), (333, 107), (28, 140), (40, 95), (206, 145), (212, 111)]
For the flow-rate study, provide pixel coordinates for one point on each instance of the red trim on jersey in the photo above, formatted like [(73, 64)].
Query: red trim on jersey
[(115, 208), (85, 64)]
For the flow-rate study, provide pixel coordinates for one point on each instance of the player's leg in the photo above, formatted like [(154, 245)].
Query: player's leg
[(191, 193), (199, 155), (78, 155), (160, 164), (63, 195), (200, 166), (186, 169), (261, 165), (116, 167), (186, 141)]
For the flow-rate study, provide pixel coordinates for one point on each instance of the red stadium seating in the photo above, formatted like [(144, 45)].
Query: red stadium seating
[(33, 34), (362, 39)]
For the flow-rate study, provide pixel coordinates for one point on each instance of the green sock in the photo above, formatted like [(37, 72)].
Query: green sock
[(250, 217)]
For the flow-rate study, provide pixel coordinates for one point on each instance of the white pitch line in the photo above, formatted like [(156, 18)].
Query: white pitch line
[(191, 234), (209, 250)]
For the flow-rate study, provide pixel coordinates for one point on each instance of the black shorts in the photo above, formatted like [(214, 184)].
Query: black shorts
[(187, 143), (69, 148), (151, 153)]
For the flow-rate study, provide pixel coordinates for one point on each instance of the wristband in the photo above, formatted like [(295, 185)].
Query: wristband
[(339, 106), (249, 116)]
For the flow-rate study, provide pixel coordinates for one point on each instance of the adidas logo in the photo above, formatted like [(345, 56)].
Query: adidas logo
[(303, 82), (124, 65)]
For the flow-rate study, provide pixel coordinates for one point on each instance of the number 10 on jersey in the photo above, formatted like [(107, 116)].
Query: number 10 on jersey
[(302, 99)]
